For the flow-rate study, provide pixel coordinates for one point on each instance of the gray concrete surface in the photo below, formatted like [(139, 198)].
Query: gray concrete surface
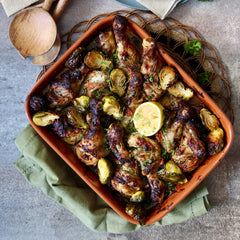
[(26, 213)]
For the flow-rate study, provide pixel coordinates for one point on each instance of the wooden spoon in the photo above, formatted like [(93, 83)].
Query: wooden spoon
[(50, 56), (33, 31)]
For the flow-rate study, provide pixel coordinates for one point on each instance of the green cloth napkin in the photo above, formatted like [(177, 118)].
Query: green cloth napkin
[(43, 168)]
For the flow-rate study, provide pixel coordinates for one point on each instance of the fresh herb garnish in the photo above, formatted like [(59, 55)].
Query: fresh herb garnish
[(203, 79), (205, 0), (151, 78), (193, 47)]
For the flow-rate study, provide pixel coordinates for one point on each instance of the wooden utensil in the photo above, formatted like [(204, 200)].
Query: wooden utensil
[(50, 55), (33, 31)]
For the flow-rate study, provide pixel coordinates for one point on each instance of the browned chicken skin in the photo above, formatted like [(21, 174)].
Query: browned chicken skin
[(126, 179), (151, 65), (134, 95), (129, 59), (91, 148), (148, 153), (107, 42), (115, 140), (191, 150), (128, 55)]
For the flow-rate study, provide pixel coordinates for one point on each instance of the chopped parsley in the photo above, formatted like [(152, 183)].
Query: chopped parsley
[(151, 78), (193, 47)]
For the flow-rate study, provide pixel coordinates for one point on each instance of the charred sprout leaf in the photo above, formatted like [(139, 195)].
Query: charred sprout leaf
[(118, 82), (43, 119), (167, 77), (112, 107), (75, 118), (105, 170), (139, 196), (172, 173), (208, 119), (135, 211), (82, 102), (203, 79), (180, 91), (97, 60), (193, 47), (215, 141), (37, 103), (76, 58)]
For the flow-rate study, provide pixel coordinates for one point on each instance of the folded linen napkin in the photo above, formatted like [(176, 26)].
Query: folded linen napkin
[(162, 8), (43, 168), (13, 6)]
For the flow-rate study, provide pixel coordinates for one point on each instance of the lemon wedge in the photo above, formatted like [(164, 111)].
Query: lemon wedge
[(148, 118)]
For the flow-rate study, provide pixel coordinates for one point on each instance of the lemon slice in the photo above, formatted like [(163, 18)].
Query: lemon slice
[(148, 118)]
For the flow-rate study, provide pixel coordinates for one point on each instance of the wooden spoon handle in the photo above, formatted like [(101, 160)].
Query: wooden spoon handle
[(47, 5), (59, 9)]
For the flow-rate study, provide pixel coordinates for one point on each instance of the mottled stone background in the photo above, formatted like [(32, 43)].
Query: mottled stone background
[(26, 213)]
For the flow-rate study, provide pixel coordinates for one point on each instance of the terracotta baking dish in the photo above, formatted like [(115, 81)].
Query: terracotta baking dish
[(69, 157)]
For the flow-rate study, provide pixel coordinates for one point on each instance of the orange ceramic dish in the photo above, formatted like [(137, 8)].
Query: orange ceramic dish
[(87, 175)]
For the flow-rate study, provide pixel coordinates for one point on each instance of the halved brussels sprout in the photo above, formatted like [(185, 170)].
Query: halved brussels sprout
[(82, 102), (96, 84), (112, 107), (172, 173), (73, 136), (179, 90), (105, 170), (76, 58), (96, 60), (75, 118), (118, 82), (215, 141), (208, 119), (43, 119), (138, 196), (167, 77)]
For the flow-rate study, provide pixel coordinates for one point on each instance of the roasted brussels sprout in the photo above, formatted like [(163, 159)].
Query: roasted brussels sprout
[(172, 173), (112, 107), (96, 84), (208, 119), (105, 170), (136, 211), (215, 141), (167, 77), (37, 103), (82, 103), (138, 196), (43, 119), (73, 136), (60, 92), (107, 42), (97, 60), (75, 118), (179, 90), (118, 82), (76, 58)]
